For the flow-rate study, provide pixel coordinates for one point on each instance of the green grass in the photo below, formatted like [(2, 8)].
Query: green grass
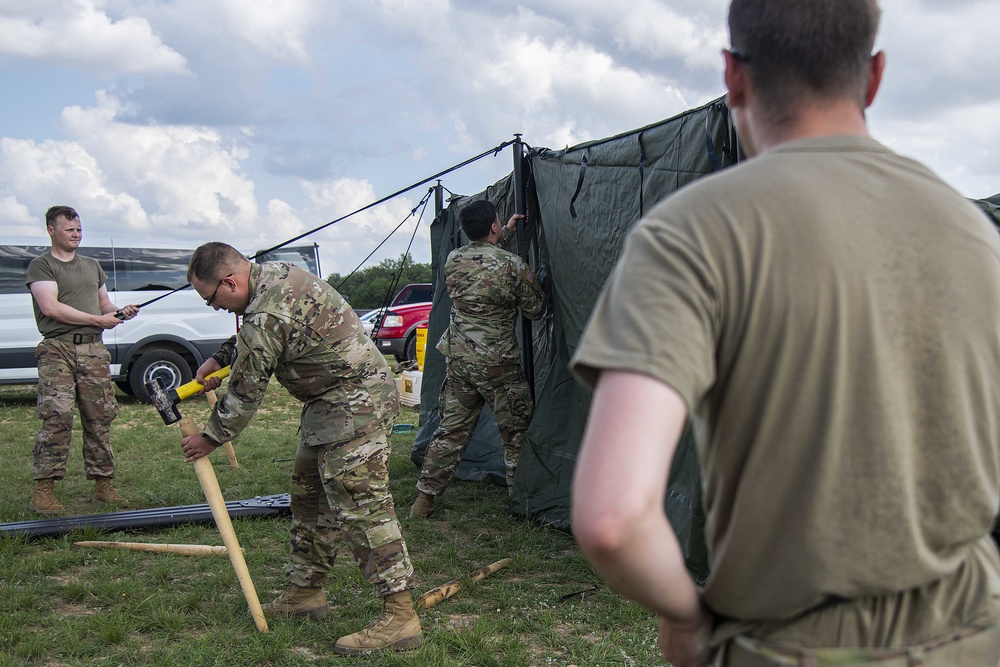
[(63, 606)]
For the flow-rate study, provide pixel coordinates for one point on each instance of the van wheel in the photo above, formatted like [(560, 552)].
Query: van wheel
[(169, 366)]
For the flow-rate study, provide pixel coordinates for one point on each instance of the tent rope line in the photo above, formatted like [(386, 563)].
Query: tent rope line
[(423, 203), (493, 151), (402, 264)]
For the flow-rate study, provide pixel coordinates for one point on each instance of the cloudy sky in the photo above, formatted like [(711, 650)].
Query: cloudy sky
[(252, 121)]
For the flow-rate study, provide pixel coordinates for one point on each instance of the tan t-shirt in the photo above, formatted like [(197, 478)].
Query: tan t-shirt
[(79, 282), (830, 312)]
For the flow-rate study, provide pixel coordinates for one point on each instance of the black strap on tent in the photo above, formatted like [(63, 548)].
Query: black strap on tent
[(642, 174), (730, 146), (710, 147), (579, 185)]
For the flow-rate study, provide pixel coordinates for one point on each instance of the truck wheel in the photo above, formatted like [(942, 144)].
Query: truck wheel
[(411, 347), (125, 386), (169, 366)]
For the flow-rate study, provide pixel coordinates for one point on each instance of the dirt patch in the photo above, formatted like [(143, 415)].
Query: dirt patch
[(305, 652), (461, 621), (66, 609)]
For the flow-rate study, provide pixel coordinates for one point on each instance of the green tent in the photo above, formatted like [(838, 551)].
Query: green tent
[(581, 202)]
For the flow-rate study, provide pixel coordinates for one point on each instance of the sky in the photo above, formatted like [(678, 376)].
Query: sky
[(176, 122)]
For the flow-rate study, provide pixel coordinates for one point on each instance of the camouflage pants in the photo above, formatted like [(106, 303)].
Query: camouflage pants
[(74, 375), (341, 492), (467, 387)]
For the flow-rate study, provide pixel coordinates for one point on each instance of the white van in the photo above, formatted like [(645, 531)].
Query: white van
[(169, 339)]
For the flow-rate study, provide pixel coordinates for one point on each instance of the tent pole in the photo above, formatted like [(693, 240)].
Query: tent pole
[(523, 247)]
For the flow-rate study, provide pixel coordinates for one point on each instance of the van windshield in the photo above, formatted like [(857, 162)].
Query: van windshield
[(128, 269)]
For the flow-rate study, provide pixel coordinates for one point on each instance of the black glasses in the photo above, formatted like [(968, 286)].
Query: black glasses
[(209, 300), (739, 55)]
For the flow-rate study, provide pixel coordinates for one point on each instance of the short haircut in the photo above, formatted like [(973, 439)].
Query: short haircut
[(797, 49), (214, 260), (477, 218), (54, 212)]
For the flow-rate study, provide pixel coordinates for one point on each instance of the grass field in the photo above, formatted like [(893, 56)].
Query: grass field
[(62, 605)]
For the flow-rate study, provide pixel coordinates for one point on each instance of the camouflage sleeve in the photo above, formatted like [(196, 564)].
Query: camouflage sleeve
[(258, 350), (226, 355), (530, 297), (508, 237)]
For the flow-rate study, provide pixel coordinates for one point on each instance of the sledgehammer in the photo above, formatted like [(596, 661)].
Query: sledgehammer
[(166, 401)]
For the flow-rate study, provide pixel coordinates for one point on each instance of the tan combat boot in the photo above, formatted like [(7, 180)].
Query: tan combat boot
[(397, 629), (300, 601), (105, 493), (43, 500), (422, 506)]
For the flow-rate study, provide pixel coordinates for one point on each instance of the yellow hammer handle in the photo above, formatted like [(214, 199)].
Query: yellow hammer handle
[(191, 388)]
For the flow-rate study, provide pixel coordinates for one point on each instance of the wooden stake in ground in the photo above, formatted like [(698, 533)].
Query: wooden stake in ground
[(210, 485), (180, 549), (210, 395), (447, 589)]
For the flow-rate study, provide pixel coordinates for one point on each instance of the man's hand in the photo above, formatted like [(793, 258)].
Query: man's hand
[(685, 644), (127, 312), (207, 368), (107, 321), (512, 223), (196, 446)]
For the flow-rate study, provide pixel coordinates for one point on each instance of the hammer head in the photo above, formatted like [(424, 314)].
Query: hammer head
[(163, 402)]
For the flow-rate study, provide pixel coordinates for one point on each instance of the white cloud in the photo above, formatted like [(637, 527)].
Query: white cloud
[(39, 175), (276, 28), (78, 33), (188, 178), (294, 112)]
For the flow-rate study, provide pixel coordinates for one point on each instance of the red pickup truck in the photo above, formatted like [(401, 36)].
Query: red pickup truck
[(395, 332)]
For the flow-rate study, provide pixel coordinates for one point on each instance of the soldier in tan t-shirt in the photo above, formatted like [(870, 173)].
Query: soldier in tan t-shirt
[(72, 308), (826, 315)]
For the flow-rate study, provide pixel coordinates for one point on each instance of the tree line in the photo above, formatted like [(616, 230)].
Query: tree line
[(372, 287)]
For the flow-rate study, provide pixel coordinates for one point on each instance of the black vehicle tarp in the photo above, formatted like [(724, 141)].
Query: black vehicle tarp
[(581, 201)]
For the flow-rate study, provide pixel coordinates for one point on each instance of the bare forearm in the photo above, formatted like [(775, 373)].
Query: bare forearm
[(647, 566), (69, 315), (619, 486)]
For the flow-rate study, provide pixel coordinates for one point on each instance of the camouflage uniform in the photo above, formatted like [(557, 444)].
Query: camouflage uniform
[(71, 374), (301, 330), (487, 285), (73, 369)]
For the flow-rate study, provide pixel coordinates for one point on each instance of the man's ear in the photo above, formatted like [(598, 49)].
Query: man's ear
[(735, 79), (875, 69)]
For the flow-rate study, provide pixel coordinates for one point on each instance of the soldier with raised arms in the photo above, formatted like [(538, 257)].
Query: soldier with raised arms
[(487, 285)]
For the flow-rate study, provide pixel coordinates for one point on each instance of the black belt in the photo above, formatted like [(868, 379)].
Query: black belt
[(79, 339)]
